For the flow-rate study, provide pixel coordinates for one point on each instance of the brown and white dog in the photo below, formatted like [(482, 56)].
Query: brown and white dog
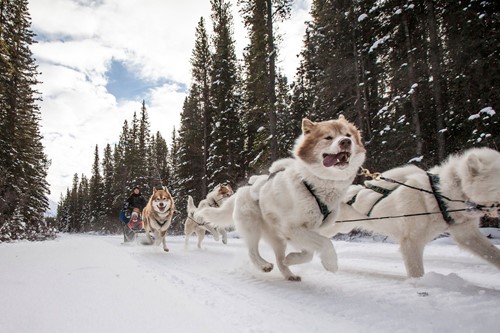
[(157, 216), (299, 197), (196, 225)]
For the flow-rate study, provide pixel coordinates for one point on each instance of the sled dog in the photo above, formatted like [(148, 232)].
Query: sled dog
[(298, 197), (471, 176), (196, 225), (157, 216)]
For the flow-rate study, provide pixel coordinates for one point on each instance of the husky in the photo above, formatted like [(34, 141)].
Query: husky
[(214, 199), (467, 180), (298, 197), (157, 216)]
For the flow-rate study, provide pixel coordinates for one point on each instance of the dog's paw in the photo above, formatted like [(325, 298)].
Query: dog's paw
[(267, 268), (294, 278), (166, 249)]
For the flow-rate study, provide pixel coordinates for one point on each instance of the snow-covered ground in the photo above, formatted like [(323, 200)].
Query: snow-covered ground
[(87, 283)]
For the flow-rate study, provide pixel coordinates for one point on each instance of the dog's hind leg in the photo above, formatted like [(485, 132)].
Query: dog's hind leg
[(279, 247), (470, 238), (252, 239), (413, 256), (201, 235)]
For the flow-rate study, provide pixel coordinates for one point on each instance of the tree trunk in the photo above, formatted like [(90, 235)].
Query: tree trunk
[(273, 153), (436, 74), (412, 80)]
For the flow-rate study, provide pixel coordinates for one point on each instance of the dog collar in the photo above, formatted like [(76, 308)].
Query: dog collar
[(322, 206)]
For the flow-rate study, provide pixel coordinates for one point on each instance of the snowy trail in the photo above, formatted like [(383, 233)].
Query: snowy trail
[(82, 283)]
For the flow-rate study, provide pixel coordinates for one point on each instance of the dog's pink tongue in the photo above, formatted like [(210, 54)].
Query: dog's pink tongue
[(329, 160)]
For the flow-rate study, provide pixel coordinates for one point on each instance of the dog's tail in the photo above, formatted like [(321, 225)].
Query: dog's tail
[(191, 207), (219, 216)]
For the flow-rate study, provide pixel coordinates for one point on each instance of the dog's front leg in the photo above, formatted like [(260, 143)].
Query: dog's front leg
[(163, 235), (468, 236), (307, 239)]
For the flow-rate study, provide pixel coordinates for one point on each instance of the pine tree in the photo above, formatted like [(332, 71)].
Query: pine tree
[(260, 81), (95, 195), (23, 164), (225, 160), (201, 61), (107, 190)]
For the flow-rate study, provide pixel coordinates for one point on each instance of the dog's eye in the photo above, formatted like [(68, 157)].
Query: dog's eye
[(348, 135), (329, 138)]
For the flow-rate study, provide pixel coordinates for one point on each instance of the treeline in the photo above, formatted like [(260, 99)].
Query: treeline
[(138, 159), (419, 78), (23, 164)]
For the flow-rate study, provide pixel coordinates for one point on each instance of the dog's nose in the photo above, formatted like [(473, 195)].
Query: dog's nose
[(345, 144)]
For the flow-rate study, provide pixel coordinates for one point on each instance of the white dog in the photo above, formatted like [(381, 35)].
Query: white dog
[(196, 225), (472, 176), (300, 196)]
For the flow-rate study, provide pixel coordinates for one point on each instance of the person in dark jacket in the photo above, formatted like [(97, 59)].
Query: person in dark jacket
[(136, 200), (134, 205)]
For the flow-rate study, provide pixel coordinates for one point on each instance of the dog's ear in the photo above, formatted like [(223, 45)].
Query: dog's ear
[(341, 117), (307, 126), (154, 189), (474, 165)]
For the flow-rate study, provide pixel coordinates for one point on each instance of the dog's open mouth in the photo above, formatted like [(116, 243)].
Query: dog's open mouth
[(338, 160)]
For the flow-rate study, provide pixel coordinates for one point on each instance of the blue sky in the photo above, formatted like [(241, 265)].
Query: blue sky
[(125, 84), (99, 59)]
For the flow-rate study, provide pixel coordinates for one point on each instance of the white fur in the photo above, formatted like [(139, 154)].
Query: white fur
[(197, 224), (473, 175), (282, 211)]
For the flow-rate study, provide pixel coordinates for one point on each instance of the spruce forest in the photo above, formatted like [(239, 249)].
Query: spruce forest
[(420, 79)]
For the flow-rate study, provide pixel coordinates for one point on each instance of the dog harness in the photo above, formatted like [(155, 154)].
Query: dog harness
[(443, 207), (434, 182), (323, 208)]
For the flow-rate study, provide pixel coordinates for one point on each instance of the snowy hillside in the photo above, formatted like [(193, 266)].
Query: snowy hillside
[(84, 283)]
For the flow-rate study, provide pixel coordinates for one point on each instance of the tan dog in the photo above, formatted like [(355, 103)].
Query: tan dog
[(157, 216), (196, 225)]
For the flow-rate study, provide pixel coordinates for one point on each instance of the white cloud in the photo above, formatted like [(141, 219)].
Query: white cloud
[(79, 39)]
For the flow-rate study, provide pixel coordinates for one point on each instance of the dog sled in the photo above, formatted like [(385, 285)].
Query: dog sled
[(130, 228)]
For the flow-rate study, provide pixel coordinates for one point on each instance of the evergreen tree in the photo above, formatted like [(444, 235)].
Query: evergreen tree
[(95, 195), (225, 160), (201, 61), (260, 81), (107, 190), (144, 172), (23, 164)]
